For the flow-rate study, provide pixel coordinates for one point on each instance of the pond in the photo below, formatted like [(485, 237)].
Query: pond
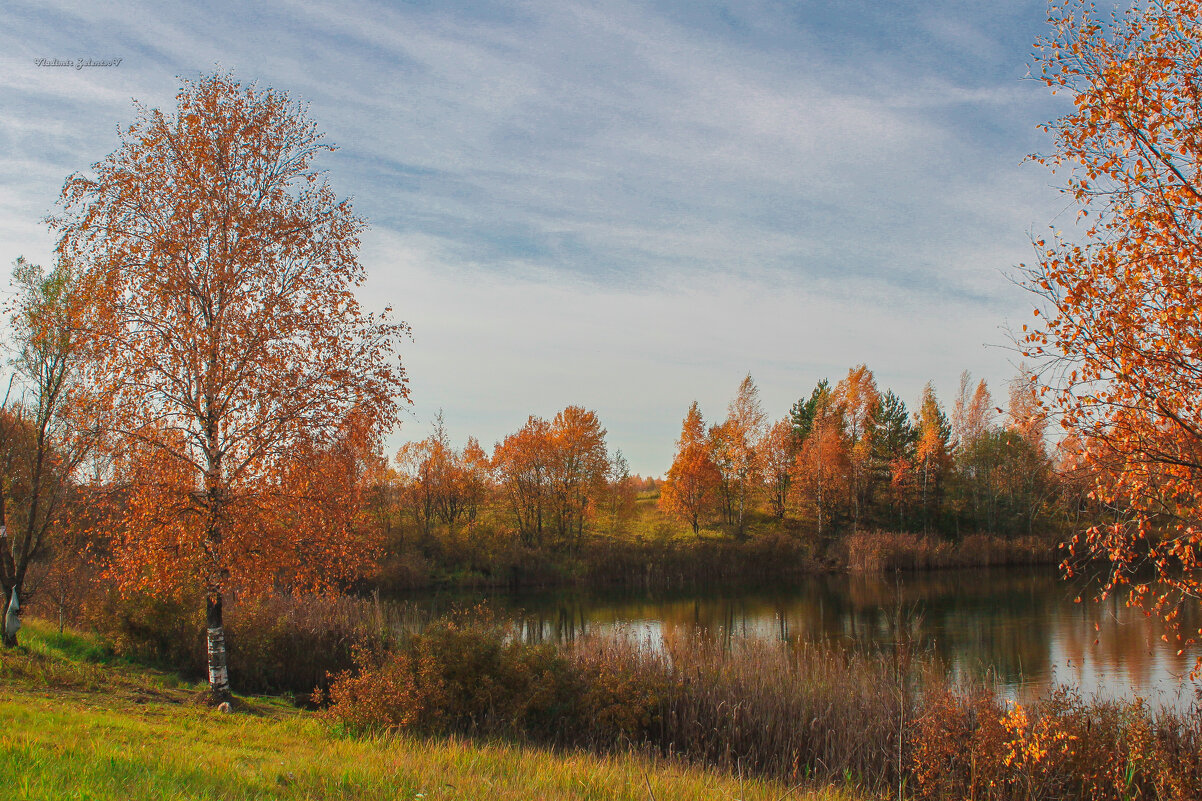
[(1019, 624)]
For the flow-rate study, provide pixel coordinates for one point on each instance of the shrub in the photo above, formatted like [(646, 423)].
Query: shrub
[(759, 707), (625, 691), (276, 643), (464, 674), (876, 551), (974, 745), (165, 632), (293, 644)]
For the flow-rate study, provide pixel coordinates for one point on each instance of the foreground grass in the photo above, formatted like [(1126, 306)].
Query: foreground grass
[(75, 723)]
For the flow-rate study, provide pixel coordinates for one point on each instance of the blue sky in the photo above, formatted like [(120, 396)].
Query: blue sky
[(626, 206)]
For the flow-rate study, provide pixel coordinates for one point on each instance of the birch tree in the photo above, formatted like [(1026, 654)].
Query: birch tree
[(224, 336)]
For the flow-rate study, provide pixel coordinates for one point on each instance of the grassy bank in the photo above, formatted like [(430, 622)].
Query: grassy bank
[(75, 722)]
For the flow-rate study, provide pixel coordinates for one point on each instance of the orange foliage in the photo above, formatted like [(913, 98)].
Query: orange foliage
[(554, 475), (688, 491), (579, 471), (932, 456), (1120, 314), (973, 414), (859, 399), (776, 454), (734, 445), (303, 528), (235, 364), (436, 480), (522, 466), (821, 483)]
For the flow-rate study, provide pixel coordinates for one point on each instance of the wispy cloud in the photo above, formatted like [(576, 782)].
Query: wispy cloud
[(620, 204)]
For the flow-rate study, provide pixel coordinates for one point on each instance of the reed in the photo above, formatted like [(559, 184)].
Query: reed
[(879, 551)]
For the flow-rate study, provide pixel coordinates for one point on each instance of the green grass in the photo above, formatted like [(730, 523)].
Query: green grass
[(76, 723)]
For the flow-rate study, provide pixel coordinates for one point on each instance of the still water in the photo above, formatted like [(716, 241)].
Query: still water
[(1021, 625)]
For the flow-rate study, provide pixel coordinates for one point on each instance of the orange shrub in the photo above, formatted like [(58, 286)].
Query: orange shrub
[(464, 674), (976, 746)]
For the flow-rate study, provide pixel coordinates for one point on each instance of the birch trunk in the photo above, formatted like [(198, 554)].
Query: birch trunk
[(219, 679)]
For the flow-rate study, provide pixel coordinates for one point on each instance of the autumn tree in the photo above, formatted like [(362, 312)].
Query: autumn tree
[(689, 489), (777, 454), (1031, 482), (819, 485), (1025, 414), (522, 464), (623, 492), (579, 469), (449, 500), (735, 444), (433, 478), (860, 400), (976, 453), (413, 461), (721, 450), (225, 339), (45, 430), (311, 522), (932, 453), (1118, 326), (973, 413), (1075, 477), (476, 472), (385, 498)]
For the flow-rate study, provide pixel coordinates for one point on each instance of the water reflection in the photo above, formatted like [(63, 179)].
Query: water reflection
[(1020, 625)]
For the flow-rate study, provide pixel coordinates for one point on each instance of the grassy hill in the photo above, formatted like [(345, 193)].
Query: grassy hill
[(75, 723)]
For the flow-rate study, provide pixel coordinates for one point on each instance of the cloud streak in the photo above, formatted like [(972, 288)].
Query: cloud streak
[(625, 205)]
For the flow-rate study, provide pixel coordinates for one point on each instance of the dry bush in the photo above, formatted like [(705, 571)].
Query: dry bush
[(462, 674), (293, 644), (625, 691), (276, 643), (974, 745)]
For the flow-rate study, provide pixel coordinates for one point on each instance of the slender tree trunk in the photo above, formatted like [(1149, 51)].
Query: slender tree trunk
[(8, 573), (10, 640), (219, 679), (742, 499), (926, 512), (820, 505)]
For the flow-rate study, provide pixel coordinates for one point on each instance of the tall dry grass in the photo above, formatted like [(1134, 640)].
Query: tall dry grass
[(798, 712), (878, 551), (1062, 748)]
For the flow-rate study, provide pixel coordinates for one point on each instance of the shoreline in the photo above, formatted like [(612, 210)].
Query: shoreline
[(773, 555)]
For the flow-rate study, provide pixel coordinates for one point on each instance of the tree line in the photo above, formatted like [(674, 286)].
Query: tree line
[(849, 456), (845, 458)]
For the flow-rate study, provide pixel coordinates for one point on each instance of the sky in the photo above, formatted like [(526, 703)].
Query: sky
[(627, 206)]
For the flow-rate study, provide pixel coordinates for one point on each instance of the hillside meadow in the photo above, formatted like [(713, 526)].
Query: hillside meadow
[(78, 723)]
